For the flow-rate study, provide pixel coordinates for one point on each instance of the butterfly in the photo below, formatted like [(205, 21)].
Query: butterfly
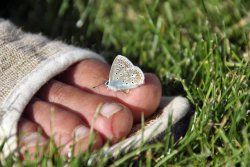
[(124, 75)]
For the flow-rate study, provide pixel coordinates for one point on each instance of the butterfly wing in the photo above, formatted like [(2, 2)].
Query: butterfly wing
[(128, 78), (124, 75), (118, 65)]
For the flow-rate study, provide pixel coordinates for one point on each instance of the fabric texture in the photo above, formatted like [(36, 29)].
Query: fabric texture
[(28, 61)]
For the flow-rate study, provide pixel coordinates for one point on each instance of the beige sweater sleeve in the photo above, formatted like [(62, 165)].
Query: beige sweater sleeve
[(27, 61)]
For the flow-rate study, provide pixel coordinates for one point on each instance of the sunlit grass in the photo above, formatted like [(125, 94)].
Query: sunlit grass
[(203, 44)]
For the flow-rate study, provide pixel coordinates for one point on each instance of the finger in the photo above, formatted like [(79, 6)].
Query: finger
[(32, 142), (89, 73), (63, 126), (114, 120)]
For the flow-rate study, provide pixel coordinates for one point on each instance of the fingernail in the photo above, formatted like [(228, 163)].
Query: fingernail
[(80, 132), (33, 139), (109, 109)]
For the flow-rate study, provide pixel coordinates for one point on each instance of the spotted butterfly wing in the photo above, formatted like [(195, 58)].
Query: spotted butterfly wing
[(124, 75), (130, 78), (118, 64)]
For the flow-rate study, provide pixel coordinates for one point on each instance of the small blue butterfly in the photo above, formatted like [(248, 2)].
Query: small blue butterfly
[(124, 75)]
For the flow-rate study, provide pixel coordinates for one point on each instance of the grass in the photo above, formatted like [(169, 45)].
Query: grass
[(203, 44)]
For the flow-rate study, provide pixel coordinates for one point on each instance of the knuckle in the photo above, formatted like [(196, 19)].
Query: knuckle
[(59, 92)]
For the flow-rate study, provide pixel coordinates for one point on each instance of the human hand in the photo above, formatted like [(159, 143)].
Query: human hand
[(65, 108)]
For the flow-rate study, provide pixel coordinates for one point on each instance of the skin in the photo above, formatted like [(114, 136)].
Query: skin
[(72, 98)]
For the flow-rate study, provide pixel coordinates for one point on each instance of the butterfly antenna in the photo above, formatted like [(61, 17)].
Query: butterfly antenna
[(98, 85)]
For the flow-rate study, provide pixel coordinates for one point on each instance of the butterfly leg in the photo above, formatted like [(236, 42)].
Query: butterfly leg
[(126, 91)]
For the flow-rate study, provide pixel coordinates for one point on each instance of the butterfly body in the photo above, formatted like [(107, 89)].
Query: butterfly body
[(124, 75)]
